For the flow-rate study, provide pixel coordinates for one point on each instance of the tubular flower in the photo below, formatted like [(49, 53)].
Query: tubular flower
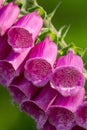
[(38, 68), (61, 118), (81, 115), (8, 17), (67, 77), (25, 31), (71, 102), (37, 106), (21, 89), (61, 113), (12, 66)]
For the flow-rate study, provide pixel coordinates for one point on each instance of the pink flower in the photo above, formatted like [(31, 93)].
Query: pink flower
[(25, 31), (21, 89), (61, 113), (71, 102), (61, 118), (38, 68), (8, 15), (81, 115), (67, 77), (38, 105), (12, 66)]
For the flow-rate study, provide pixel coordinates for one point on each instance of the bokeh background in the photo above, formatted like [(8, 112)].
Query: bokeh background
[(71, 12)]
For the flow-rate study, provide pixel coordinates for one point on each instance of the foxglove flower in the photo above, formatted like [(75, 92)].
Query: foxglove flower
[(38, 68), (81, 115), (12, 66), (71, 102), (21, 89), (37, 106), (61, 113), (25, 31), (67, 77), (4, 47), (8, 15), (61, 118)]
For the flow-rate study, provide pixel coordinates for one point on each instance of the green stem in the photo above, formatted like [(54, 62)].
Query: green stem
[(48, 24), (30, 3)]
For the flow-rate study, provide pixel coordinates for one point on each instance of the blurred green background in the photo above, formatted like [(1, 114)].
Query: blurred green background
[(72, 13)]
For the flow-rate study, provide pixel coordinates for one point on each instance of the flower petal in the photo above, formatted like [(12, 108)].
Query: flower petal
[(12, 66), (38, 105), (22, 90), (35, 112), (5, 21), (38, 71), (71, 102), (67, 80), (71, 59), (81, 115), (45, 49), (38, 68), (61, 118), (25, 31)]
